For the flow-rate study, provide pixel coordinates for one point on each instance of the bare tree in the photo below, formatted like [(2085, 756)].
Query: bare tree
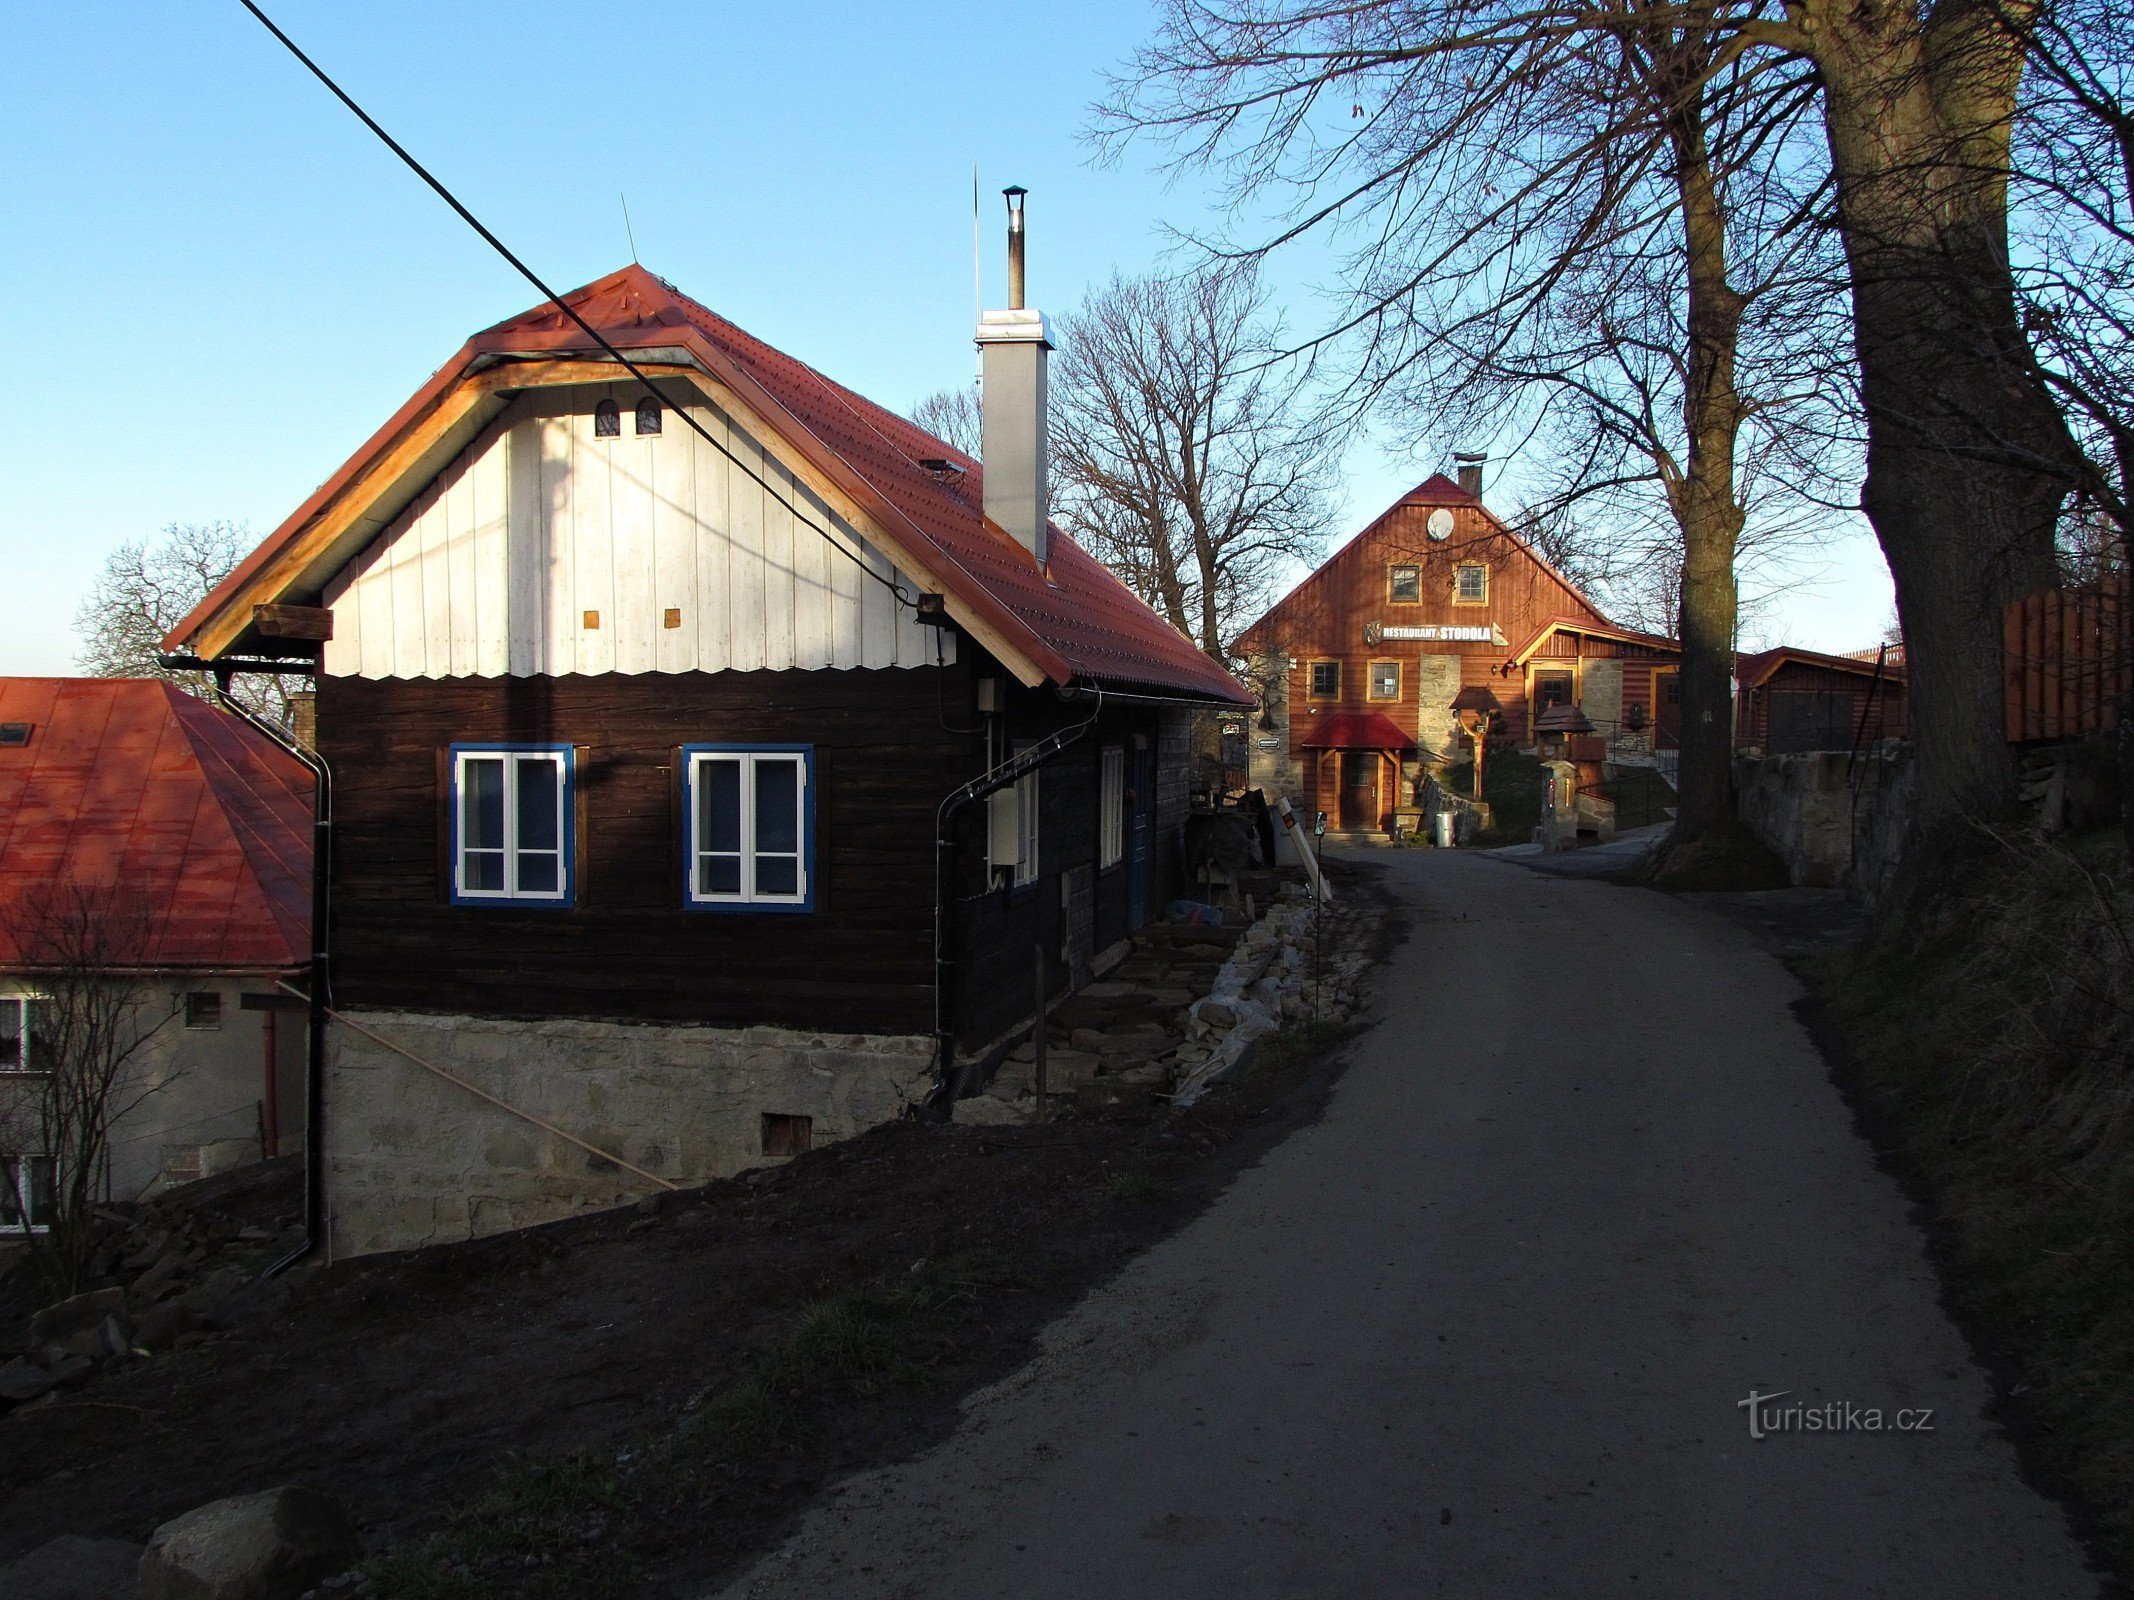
[(1560, 223), (953, 417), (1187, 453), (82, 945), (146, 589)]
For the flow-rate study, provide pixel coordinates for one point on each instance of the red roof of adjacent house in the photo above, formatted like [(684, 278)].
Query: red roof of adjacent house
[(1356, 730), (1753, 672), (135, 783), (1072, 618)]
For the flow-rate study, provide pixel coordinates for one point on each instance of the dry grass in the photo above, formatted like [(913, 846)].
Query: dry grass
[(1994, 1048)]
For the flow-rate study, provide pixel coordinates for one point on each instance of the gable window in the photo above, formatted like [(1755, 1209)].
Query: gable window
[(751, 825), (647, 416), (1404, 584), (607, 420), (511, 835), (21, 1047), (26, 1196), (1111, 807), (1471, 585), (1326, 680), (1385, 680)]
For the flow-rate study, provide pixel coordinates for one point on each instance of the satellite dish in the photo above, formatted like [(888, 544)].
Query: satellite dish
[(1440, 524)]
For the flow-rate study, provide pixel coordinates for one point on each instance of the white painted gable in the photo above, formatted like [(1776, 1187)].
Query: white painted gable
[(538, 529)]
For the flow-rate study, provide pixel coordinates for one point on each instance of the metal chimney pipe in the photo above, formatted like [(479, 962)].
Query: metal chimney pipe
[(1470, 467), (1015, 193)]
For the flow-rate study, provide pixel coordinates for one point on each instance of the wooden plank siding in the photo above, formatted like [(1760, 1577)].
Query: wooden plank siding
[(541, 549), (2065, 663), (1870, 711), (1001, 928), (860, 962)]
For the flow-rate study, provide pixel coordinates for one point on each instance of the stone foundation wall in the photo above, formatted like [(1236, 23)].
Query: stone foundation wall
[(1830, 828), (413, 1159)]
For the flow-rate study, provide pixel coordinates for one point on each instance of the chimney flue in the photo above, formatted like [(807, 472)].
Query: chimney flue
[(1013, 346), (1015, 193), (1470, 469)]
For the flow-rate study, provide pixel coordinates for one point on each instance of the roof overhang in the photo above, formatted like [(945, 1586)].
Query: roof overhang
[(341, 518)]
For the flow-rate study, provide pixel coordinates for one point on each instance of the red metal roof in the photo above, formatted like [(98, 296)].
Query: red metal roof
[(134, 782), (1356, 730), (1072, 618)]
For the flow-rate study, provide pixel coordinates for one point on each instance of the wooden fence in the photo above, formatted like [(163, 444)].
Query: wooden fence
[(2065, 663)]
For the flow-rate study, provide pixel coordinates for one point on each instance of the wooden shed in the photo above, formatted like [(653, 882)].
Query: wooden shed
[(1790, 700)]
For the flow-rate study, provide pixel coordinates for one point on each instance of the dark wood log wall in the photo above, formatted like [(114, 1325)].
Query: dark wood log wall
[(887, 751), (860, 962)]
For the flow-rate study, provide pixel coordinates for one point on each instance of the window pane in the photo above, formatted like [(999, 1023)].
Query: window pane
[(777, 806), (777, 875), (540, 872), (482, 804), (719, 806), (1407, 583), (11, 1050), (484, 872), (539, 802), (719, 875)]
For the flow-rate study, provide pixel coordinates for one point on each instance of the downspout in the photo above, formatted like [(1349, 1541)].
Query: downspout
[(935, 1107), (316, 1000)]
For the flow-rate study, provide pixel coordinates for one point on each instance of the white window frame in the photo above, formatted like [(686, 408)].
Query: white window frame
[(1026, 802), (25, 1031), (1459, 577), (747, 757), (515, 756), (1111, 807), (10, 1177)]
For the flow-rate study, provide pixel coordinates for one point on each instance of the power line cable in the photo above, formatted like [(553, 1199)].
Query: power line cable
[(896, 589)]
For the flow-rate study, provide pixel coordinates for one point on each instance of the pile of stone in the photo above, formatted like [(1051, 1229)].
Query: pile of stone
[(1179, 1012), (168, 1277)]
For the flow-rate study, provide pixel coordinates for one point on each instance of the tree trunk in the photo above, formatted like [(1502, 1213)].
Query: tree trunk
[(1705, 503), (1968, 458)]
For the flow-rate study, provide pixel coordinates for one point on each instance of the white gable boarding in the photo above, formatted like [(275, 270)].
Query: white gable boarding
[(544, 551)]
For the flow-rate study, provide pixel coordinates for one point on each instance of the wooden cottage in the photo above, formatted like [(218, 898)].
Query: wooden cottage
[(1790, 700), (1357, 668), (715, 767)]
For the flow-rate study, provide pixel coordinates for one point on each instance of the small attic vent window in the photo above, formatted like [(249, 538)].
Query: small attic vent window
[(607, 420), (647, 416), (942, 465), (14, 733)]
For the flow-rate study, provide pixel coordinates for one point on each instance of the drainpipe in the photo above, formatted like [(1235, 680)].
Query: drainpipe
[(316, 1001)]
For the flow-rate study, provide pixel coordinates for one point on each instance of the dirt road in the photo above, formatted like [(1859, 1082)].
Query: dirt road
[(1486, 1330)]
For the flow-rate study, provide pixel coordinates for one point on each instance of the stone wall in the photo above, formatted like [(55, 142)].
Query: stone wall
[(413, 1159), (1830, 825), (1269, 765)]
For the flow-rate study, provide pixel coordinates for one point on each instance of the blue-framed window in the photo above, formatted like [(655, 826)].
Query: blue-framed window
[(751, 827), (511, 824)]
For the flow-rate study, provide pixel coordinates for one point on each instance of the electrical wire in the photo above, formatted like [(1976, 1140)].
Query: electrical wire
[(895, 589)]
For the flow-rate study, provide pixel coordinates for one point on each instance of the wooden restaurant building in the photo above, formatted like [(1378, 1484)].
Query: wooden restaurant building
[(715, 769), (1357, 668)]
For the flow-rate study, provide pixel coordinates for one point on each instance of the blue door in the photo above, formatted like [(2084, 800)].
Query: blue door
[(1141, 809)]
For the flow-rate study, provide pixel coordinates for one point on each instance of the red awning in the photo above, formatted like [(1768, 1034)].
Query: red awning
[(1355, 730)]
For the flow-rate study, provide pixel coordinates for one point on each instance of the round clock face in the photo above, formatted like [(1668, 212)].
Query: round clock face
[(1440, 524)]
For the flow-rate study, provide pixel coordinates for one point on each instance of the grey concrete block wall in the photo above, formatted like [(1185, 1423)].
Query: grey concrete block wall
[(413, 1159)]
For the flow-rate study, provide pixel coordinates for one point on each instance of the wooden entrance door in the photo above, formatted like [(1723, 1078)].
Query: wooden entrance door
[(1667, 708), (1359, 788), (1553, 686)]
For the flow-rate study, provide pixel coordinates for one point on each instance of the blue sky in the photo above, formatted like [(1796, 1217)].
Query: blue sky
[(218, 283)]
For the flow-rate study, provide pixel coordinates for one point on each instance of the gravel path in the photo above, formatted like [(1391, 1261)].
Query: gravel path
[(1484, 1331)]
